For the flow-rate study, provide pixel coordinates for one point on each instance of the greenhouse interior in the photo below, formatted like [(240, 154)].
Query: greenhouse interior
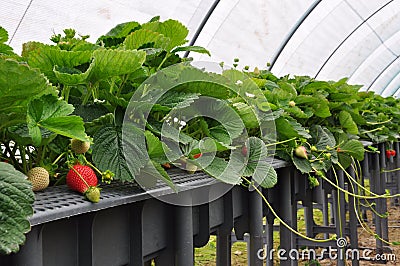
[(202, 132)]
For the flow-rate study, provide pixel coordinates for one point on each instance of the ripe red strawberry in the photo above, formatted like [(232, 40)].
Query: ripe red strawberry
[(166, 165), (83, 179), (244, 150), (390, 153), (197, 155)]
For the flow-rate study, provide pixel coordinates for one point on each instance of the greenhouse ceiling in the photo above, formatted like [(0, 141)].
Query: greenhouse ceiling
[(326, 39)]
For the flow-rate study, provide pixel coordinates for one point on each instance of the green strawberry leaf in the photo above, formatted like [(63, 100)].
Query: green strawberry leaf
[(117, 34), (177, 100), (46, 57), (194, 80), (322, 137), (110, 63), (3, 35), (121, 151), (247, 115), (152, 172), (144, 37), (353, 148), (50, 113), (227, 172), (257, 166), (196, 49), (172, 29), (69, 78), (16, 199), (303, 165), (19, 84), (156, 149), (288, 127), (346, 121), (6, 49)]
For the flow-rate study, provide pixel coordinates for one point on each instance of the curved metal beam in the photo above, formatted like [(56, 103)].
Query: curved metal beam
[(292, 32), (20, 21), (383, 71), (396, 79), (351, 33), (202, 24)]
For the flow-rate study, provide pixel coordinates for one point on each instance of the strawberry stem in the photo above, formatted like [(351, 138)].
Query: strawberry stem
[(58, 158), (280, 142), (94, 167)]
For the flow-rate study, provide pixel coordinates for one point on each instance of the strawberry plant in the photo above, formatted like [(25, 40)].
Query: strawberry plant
[(320, 124)]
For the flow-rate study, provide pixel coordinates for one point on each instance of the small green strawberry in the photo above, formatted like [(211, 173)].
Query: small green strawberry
[(314, 148), (191, 168), (39, 178), (79, 146), (313, 182), (93, 194)]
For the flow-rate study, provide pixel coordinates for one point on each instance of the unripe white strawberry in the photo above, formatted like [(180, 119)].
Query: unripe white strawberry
[(292, 103), (301, 152), (39, 178), (79, 146)]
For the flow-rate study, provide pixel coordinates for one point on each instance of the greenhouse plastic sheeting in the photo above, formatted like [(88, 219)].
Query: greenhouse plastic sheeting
[(326, 39)]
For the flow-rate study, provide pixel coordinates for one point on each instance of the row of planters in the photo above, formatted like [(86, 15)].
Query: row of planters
[(128, 109)]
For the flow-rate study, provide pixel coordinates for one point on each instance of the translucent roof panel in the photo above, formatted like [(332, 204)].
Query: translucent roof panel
[(251, 30), (39, 19), (326, 39)]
